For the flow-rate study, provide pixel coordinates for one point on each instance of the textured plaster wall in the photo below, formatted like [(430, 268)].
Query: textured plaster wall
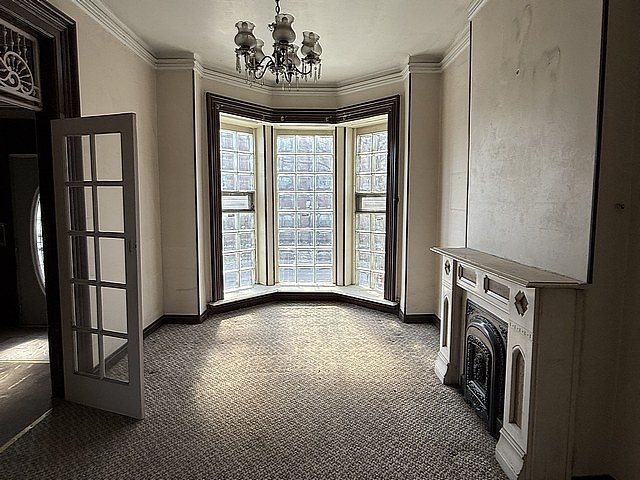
[(455, 149), (608, 417), (533, 120), (421, 177), (113, 80), (178, 187)]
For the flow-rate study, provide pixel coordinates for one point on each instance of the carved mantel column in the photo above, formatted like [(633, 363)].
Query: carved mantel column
[(540, 309)]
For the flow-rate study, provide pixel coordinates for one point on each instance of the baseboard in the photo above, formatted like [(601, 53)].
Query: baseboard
[(593, 477), (419, 318), (149, 329), (299, 297), (119, 354), (185, 319)]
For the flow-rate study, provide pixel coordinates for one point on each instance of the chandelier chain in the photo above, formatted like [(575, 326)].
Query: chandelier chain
[(277, 7)]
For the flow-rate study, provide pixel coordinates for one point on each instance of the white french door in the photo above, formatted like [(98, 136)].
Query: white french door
[(95, 165)]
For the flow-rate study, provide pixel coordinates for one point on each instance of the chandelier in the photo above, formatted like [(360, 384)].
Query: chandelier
[(284, 63)]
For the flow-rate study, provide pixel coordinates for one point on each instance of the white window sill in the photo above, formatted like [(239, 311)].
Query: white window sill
[(257, 292)]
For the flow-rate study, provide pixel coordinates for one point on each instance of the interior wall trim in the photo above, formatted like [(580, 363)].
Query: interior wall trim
[(462, 41), (105, 17), (475, 7), (419, 318), (99, 12)]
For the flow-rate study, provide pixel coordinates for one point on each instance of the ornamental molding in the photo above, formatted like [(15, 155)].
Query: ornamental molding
[(19, 65), (461, 42), (100, 13), (474, 7), (521, 330)]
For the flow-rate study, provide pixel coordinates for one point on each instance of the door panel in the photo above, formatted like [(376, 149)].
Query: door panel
[(95, 162), (25, 196)]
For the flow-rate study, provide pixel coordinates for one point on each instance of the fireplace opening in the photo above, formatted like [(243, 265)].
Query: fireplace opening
[(484, 365)]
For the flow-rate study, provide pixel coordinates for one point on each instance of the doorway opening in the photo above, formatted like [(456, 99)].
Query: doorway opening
[(25, 376)]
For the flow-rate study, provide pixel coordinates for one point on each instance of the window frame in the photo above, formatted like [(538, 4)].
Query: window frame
[(217, 105)]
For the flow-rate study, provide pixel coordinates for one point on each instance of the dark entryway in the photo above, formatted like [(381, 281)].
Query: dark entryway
[(39, 46)]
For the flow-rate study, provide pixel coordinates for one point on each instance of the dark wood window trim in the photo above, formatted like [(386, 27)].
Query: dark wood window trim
[(56, 34), (389, 106)]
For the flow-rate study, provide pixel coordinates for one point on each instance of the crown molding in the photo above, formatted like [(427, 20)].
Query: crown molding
[(474, 7), (462, 41), (99, 12), (177, 63), (105, 17)]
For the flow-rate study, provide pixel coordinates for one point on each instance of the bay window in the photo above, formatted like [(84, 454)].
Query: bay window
[(306, 199)]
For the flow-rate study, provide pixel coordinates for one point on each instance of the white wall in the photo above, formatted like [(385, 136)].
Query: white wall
[(421, 203), (176, 144), (113, 80), (533, 122), (455, 149)]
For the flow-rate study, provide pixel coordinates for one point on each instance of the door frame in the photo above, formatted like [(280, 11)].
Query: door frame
[(56, 34)]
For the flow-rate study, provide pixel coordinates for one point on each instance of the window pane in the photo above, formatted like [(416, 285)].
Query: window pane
[(324, 144), (245, 142), (238, 239), (324, 163), (372, 204), (305, 183), (286, 143), (370, 167), (237, 202)]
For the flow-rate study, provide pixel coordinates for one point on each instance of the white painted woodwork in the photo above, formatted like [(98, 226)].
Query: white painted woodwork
[(545, 335), (95, 389)]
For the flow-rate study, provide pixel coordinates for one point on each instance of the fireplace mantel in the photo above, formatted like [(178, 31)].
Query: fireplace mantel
[(518, 273), (540, 309)]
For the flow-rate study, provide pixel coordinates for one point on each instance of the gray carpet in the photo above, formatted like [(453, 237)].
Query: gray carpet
[(283, 391)]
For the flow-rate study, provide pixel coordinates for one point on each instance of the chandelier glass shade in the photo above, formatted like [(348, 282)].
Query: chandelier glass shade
[(285, 62)]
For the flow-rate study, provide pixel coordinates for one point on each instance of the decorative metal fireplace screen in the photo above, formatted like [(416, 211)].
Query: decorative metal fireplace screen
[(19, 70), (484, 377)]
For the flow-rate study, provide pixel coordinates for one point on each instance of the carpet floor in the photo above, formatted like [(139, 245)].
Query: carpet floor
[(281, 391)]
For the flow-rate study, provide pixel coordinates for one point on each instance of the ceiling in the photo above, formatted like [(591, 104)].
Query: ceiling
[(359, 37)]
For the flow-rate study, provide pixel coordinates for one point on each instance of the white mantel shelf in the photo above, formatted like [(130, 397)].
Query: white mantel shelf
[(524, 275)]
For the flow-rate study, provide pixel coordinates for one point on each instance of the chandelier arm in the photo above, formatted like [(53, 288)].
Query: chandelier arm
[(262, 67)]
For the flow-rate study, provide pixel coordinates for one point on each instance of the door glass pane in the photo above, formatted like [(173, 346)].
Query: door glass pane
[(83, 258), (85, 306), (114, 309), (108, 157), (370, 167), (80, 208), (305, 185), (116, 358), (112, 260), (87, 358), (111, 209), (79, 158)]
